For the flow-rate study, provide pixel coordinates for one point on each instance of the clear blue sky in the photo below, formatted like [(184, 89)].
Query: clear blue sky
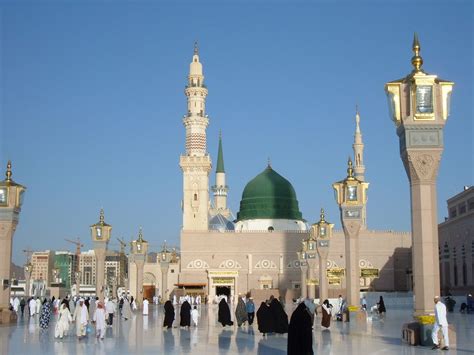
[(92, 103)]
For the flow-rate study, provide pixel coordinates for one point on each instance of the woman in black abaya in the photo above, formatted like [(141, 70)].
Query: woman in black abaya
[(224, 313), (279, 317), (169, 315), (185, 315), (300, 333), (264, 319)]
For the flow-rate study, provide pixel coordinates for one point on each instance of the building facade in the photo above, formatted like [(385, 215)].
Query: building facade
[(456, 244)]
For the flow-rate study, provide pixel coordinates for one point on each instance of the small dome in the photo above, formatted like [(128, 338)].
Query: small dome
[(220, 223), (269, 196)]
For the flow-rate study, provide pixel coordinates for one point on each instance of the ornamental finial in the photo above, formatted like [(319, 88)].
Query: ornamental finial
[(350, 170), (101, 217), (196, 48), (9, 171), (416, 60), (269, 163), (140, 235), (321, 216)]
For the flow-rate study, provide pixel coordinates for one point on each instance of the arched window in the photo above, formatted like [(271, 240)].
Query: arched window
[(271, 229), (195, 197)]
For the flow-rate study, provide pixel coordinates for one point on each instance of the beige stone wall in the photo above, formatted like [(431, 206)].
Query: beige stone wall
[(456, 243), (258, 256)]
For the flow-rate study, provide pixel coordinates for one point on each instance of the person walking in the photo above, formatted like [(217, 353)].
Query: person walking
[(241, 315), (99, 319), (300, 333), (45, 315), (326, 310), (145, 306), (195, 316), (169, 315), (250, 306), (62, 326), (81, 317), (22, 306), (110, 309), (441, 322), (185, 315)]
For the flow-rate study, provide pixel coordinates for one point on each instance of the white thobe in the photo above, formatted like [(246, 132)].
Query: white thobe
[(145, 307), (16, 304), (195, 316), (32, 307), (441, 321), (38, 306), (99, 319)]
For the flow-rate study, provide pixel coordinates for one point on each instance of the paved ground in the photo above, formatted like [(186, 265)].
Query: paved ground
[(145, 335)]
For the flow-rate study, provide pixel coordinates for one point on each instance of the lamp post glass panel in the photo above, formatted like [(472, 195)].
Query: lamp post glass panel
[(11, 200), (419, 105)]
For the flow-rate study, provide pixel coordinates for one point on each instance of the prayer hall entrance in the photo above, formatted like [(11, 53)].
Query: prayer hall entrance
[(222, 282), (223, 290)]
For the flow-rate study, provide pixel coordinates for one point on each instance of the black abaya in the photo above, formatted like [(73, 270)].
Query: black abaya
[(264, 319), (224, 313), (300, 333), (169, 315), (185, 314), (279, 317)]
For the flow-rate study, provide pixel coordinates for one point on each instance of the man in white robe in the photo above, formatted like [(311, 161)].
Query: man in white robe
[(38, 305), (16, 304), (32, 307), (145, 307), (81, 317), (441, 322)]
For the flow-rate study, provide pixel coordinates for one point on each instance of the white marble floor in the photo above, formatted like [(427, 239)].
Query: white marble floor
[(145, 335)]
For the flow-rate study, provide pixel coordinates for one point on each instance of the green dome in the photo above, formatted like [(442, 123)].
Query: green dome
[(269, 196)]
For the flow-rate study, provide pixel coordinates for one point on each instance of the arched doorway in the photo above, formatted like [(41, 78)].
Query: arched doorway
[(149, 286)]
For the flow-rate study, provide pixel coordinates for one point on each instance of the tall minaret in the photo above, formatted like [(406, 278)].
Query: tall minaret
[(359, 168), (220, 188), (358, 146), (196, 163)]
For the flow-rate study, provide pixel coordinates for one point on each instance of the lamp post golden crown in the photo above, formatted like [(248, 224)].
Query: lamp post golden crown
[(419, 106), (100, 233), (307, 257), (139, 251), (322, 233), (351, 196), (11, 200)]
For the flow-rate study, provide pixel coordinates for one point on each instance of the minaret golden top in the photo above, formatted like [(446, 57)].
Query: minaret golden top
[(140, 235), (416, 60), (101, 217), (9, 171), (350, 170), (321, 216), (196, 48)]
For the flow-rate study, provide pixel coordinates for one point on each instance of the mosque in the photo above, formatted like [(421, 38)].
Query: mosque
[(257, 250)]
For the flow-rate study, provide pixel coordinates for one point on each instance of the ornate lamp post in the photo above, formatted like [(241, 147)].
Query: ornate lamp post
[(323, 233), (419, 106), (165, 259), (11, 199), (304, 271), (351, 196), (308, 253), (28, 270), (100, 233), (78, 276), (139, 252)]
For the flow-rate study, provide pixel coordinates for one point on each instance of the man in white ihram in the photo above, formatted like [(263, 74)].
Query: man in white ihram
[(440, 322)]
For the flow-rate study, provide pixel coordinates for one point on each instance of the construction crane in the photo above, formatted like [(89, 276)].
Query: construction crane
[(123, 245), (79, 245)]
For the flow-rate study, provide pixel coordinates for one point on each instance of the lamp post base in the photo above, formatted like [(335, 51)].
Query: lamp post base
[(7, 316)]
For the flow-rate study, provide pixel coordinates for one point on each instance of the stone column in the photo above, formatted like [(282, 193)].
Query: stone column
[(311, 278), (323, 278), (27, 284), (7, 229), (164, 280), (304, 276), (100, 272), (351, 233), (140, 265), (422, 168)]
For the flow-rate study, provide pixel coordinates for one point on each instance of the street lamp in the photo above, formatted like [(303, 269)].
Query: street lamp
[(307, 257), (419, 106), (78, 275), (166, 257), (322, 232), (28, 270), (139, 252)]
